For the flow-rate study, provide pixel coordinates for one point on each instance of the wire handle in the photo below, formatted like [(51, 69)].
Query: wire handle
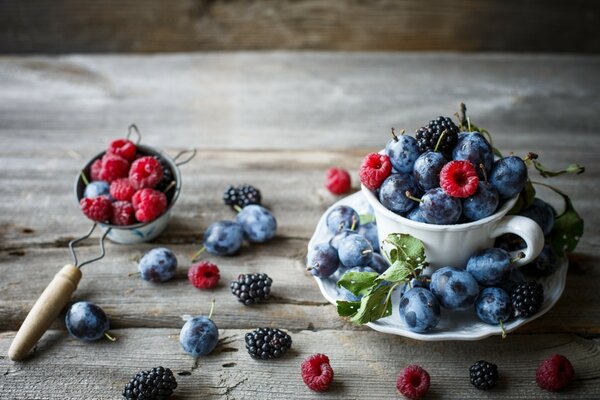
[(188, 159), (73, 242), (134, 128)]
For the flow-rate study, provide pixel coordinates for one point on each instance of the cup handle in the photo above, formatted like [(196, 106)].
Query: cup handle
[(526, 228)]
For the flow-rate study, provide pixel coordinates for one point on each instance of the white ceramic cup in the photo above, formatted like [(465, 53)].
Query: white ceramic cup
[(452, 245)]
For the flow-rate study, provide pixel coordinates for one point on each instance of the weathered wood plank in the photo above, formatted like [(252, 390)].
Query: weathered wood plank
[(297, 304), (365, 363), (158, 25)]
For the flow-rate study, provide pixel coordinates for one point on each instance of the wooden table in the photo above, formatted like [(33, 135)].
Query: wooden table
[(278, 121)]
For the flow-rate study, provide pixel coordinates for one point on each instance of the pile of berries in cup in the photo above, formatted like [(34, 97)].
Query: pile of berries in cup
[(442, 176), (125, 187)]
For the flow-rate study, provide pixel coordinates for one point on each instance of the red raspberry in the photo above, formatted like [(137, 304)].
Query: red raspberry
[(317, 374), (555, 373), (459, 179), (113, 167), (97, 209), (204, 275), (123, 213), (121, 189), (95, 169), (374, 169), (146, 172), (148, 204), (413, 382), (122, 147), (338, 181)]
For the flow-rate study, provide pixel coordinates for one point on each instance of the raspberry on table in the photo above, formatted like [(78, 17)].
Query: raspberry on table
[(459, 179), (413, 382), (113, 167), (122, 147), (145, 172), (121, 189), (97, 209), (123, 213), (483, 375), (204, 275), (95, 169), (317, 374), (158, 383), (555, 373), (148, 204), (374, 169), (338, 181)]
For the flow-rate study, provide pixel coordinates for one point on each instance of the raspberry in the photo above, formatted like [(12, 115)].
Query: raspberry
[(317, 374), (145, 172), (113, 167), (459, 179), (121, 189), (374, 169), (123, 148), (123, 213), (95, 169), (555, 373), (148, 204), (204, 275), (96, 208), (338, 181), (413, 382)]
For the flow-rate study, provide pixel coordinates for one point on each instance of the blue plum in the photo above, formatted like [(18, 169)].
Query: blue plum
[(354, 251), (158, 265), (511, 279), (542, 213), (323, 260), (493, 306), (489, 266), (415, 215), (338, 237), (369, 232), (97, 188), (258, 223), (392, 193), (86, 321), (420, 310), (342, 217), (454, 288), (199, 336), (223, 238), (473, 147), (427, 169), (546, 263), (402, 151), (379, 263), (439, 208), (482, 204), (509, 176)]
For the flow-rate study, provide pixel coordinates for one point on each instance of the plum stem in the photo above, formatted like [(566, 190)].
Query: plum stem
[(502, 328), (519, 256), (198, 253), (212, 308), (84, 178), (170, 186), (409, 195), (110, 337), (485, 178), (439, 141), (137, 273)]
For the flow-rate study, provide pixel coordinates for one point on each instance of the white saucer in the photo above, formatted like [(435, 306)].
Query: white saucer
[(454, 325)]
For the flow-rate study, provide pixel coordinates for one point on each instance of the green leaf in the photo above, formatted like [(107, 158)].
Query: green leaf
[(375, 305), (546, 173), (366, 218), (568, 227), (359, 283), (399, 271), (406, 248), (347, 308)]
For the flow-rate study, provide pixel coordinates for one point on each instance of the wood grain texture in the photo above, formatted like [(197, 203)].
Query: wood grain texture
[(276, 120), (159, 25)]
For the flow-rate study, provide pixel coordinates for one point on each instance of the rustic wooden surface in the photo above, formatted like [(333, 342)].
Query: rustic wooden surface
[(276, 120), (67, 26)]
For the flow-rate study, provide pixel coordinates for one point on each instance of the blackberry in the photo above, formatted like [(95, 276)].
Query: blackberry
[(241, 196), (267, 343), (230, 196), (251, 288), (167, 177), (157, 384), (428, 135), (483, 375), (527, 298)]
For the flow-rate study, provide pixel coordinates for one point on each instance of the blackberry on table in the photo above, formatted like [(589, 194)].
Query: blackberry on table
[(156, 384), (251, 288), (428, 135), (483, 375), (527, 298), (241, 196), (267, 343)]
